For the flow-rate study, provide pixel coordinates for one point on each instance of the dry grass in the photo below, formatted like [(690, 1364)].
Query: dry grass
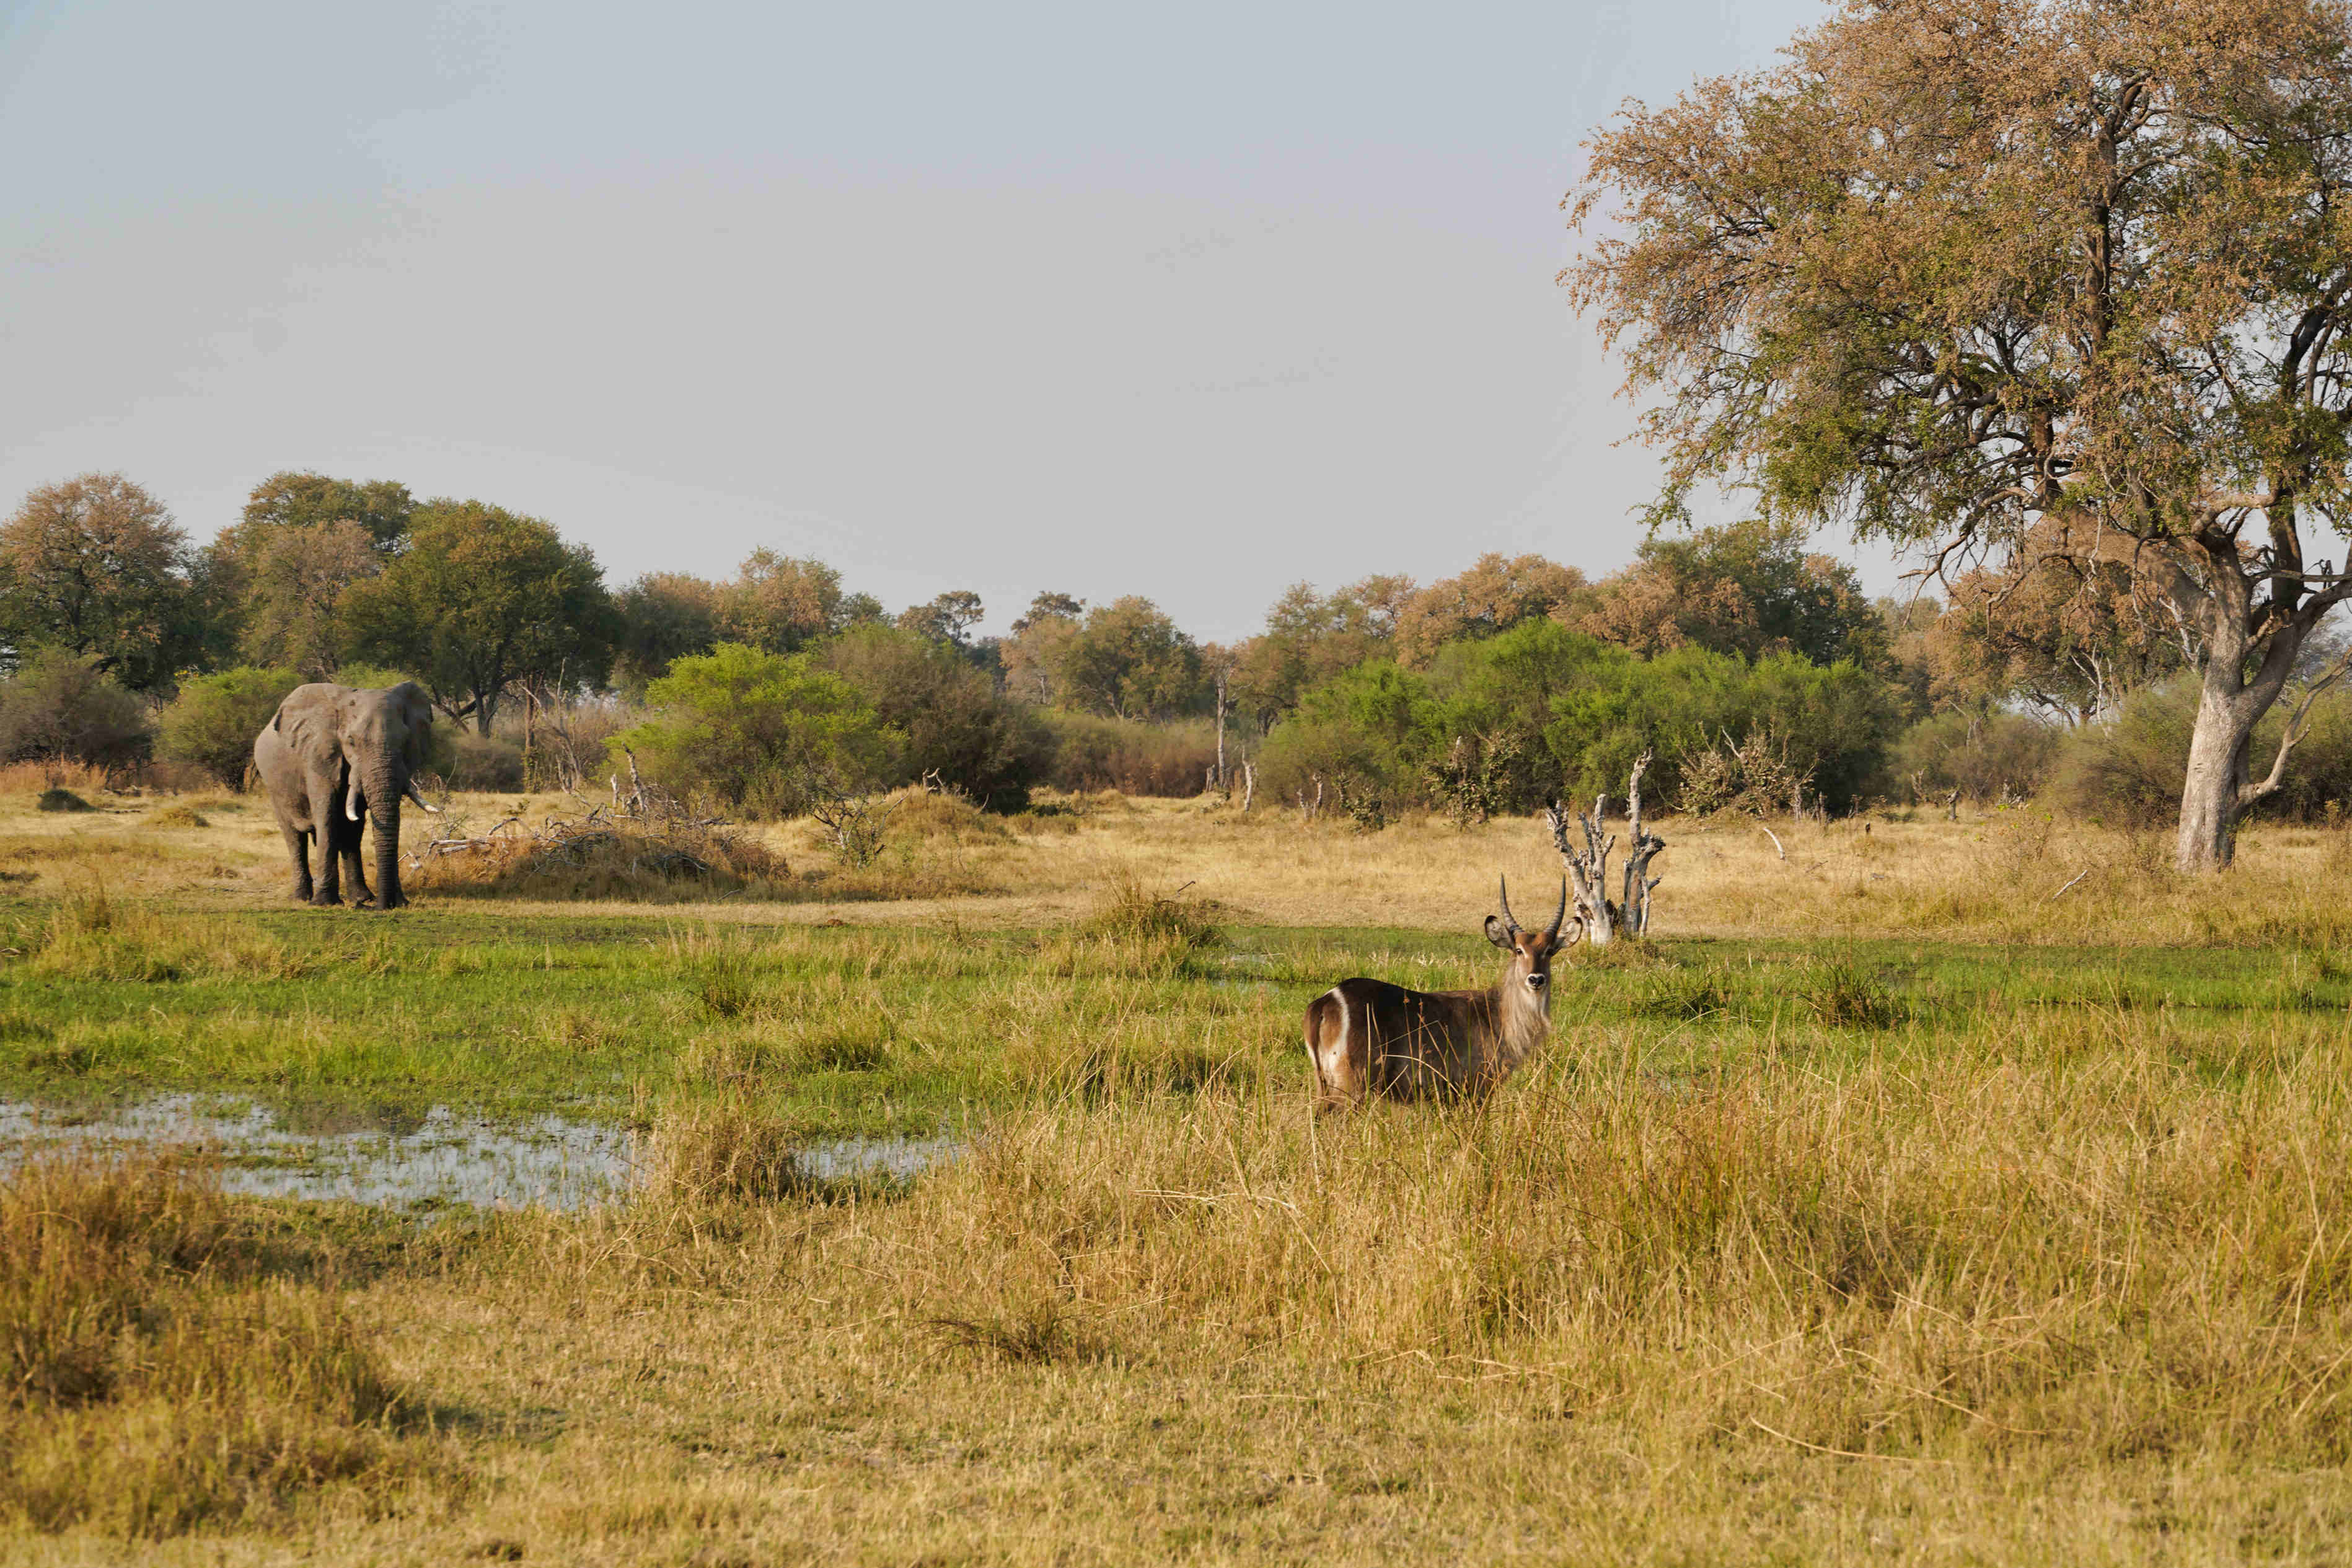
[(1763, 1265), (2038, 1289), (161, 1370), (2008, 877)]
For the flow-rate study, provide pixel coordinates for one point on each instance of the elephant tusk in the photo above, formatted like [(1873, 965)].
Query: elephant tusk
[(351, 799), (418, 797)]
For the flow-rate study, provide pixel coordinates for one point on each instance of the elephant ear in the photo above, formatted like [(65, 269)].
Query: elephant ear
[(417, 712)]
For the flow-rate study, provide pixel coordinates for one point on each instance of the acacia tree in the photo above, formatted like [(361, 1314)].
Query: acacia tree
[(483, 601), (1961, 266)]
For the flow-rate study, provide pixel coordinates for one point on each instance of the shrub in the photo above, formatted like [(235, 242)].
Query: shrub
[(956, 725), (2128, 769), (1539, 709), (1984, 756), (60, 708), (213, 722), (1092, 753), (484, 764), (61, 799), (761, 732)]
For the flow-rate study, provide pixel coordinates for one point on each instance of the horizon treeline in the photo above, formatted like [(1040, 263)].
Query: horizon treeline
[(1755, 670)]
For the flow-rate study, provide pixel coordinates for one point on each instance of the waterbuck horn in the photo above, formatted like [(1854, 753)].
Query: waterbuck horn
[(1552, 932), (1510, 920)]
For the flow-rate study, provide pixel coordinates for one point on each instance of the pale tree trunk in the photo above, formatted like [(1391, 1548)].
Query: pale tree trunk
[(2250, 650), (2217, 776), (1221, 729)]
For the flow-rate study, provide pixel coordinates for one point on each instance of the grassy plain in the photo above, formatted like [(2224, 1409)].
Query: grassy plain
[(1897, 1205)]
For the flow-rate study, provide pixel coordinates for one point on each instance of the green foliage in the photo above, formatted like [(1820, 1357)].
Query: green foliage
[(2127, 770), (61, 799), (480, 601), (95, 568), (946, 618), (1129, 755), (1987, 755), (214, 719), (1370, 729), (63, 707), (381, 509), (955, 723), (759, 731), (664, 616), (1129, 660), (1547, 708)]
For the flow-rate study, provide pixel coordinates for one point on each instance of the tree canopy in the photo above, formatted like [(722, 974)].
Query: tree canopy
[(1961, 266), (483, 600), (95, 566)]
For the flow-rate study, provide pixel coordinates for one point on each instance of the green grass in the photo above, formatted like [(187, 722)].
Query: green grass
[(1784, 1251), (896, 1028)]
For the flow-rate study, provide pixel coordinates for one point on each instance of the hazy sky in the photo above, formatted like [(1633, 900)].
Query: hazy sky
[(1194, 301)]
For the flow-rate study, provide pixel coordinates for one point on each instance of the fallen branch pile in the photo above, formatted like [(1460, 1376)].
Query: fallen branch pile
[(644, 840)]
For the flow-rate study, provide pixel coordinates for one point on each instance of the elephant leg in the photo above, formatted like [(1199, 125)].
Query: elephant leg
[(325, 806), (362, 896), (297, 851)]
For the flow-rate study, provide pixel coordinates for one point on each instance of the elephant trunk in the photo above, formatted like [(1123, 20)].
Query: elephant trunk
[(385, 790)]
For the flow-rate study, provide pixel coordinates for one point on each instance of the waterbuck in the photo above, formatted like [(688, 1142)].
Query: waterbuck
[(1368, 1036)]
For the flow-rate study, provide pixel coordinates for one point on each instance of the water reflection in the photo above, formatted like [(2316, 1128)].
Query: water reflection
[(397, 1158)]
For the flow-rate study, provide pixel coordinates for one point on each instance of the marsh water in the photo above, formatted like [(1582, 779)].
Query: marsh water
[(402, 1159)]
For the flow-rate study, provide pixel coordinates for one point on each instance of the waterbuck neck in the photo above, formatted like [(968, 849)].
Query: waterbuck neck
[(1522, 1015)]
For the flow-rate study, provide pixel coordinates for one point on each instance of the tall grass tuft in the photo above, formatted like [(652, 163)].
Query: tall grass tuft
[(91, 935), (158, 1374), (1135, 931), (1844, 995)]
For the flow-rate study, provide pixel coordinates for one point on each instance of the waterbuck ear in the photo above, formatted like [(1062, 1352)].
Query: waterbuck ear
[(1498, 933)]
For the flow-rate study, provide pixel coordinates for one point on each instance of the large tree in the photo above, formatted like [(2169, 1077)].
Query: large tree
[(293, 581), (381, 508), (279, 571), (1310, 638), (1130, 660), (1749, 588), (1962, 266), (96, 566), (779, 603), (1494, 595), (665, 616), (1036, 655), (480, 602)]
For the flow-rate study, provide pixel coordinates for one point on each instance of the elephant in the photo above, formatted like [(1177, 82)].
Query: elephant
[(331, 753)]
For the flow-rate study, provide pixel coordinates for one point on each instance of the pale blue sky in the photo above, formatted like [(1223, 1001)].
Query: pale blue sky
[(1191, 301)]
